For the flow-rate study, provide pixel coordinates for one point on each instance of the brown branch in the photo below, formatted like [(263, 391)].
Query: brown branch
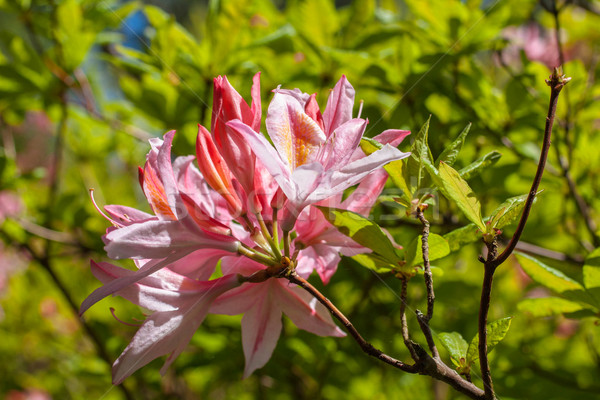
[(556, 83), (484, 307), (424, 319), (582, 206), (405, 336), (425, 365)]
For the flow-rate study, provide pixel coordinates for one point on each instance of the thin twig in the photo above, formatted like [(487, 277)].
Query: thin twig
[(424, 319), (426, 365), (365, 346), (405, 336), (556, 83), (426, 265), (564, 164)]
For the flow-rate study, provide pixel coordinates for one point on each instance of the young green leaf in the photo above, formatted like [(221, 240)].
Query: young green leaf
[(420, 156), (455, 344), (547, 306), (457, 189), (496, 331), (363, 231), (438, 248), (477, 166), (451, 152), (509, 211)]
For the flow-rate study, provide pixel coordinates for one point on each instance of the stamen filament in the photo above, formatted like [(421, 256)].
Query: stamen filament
[(256, 256), (286, 243), (265, 231)]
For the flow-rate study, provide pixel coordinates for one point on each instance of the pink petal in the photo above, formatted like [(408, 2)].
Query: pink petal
[(306, 312), (199, 265), (392, 137), (339, 106), (126, 280), (158, 239), (167, 177), (261, 327), (160, 334), (322, 258), (256, 108), (355, 171), (127, 215), (296, 136), (278, 167), (362, 199), (342, 143)]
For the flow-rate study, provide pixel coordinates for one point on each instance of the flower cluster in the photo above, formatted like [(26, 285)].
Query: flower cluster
[(246, 203)]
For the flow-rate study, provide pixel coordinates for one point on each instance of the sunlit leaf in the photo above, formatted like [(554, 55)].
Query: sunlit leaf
[(477, 166), (591, 275), (450, 153), (363, 231), (420, 156), (455, 344), (547, 306), (496, 331), (438, 248), (457, 189)]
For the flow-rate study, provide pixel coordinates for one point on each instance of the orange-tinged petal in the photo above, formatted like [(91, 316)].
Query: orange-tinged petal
[(294, 133)]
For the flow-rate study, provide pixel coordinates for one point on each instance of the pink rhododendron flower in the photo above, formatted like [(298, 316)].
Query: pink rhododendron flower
[(228, 209), (312, 157)]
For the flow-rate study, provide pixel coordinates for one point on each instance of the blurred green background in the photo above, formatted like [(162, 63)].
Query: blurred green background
[(84, 84)]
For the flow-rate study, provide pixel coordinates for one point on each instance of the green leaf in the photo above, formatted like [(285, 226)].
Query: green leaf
[(477, 166), (395, 169), (451, 152), (496, 331), (363, 231), (438, 248), (591, 275), (509, 211), (420, 157), (461, 236), (547, 276), (373, 262), (547, 306), (455, 344), (457, 189)]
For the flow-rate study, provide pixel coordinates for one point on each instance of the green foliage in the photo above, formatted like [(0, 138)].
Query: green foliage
[(577, 300), (80, 95), (496, 331), (457, 189), (456, 346), (363, 231)]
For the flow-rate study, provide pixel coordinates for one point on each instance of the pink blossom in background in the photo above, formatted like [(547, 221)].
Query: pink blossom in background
[(10, 205), (539, 45)]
